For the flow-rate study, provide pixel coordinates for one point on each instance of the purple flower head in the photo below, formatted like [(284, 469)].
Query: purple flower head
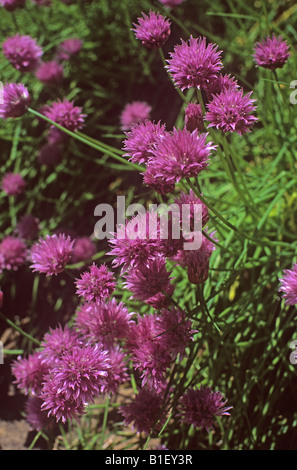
[(96, 284), (68, 48), (171, 3), (13, 253), (106, 322), (176, 331), (152, 30), (29, 373), (50, 154), (157, 182), (148, 352), (28, 227), (194, 63), (150, 283), (141, 139), (83, 249), (13, 184), (271, 53), (50, 73), (118, 372), (66, 115), (221, 83), (288, 285), (180, 154), (11, 5), (144, 412), (36, 418), (22, 52), (56, 341), (132, 244), (198, 407), (80, 373), (197, 261), (16, 100), (50, 255), (194, 117), (137, 111), (191, 206), (230, 111)]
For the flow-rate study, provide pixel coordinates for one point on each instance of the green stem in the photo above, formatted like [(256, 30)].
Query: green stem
[(183, 97), (22, 332)]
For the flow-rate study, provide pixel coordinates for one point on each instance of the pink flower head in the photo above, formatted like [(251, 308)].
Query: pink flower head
[(144, 412), (221, 83), (194, 117), (68, 48), (137, 111), (50, 255), (96, 284), (180, 154), (194, 63), (288, 285), (56, 341), (118, 372), (28, 227), (13, 184), (105, 322), (29, 373), (11, 5), (152, 30), (231, 111), (176, 331), (66, 114), (13, 253), (158, 182), (141, 139), (199, 407), (150, 283), (83, 249), (50, 73), (271, 53), (16, 100), (22, 52), (133, 244)]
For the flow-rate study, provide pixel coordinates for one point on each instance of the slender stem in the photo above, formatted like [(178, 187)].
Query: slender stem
[(183, 97)]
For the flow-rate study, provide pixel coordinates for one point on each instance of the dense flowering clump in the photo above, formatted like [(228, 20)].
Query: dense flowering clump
[(22, 52), (152, 30), (231, 111), (137, 111), (144, 412), (180, 154), (50, 73), (15, 102), (106, 322), (11, 5), (141, 139), (50, 255), (13, 184), (29, 373), (28, 227), (150, 283), (13, 253), (289, 285), (198, 407), (194, 63), (271, 53), (96, 284), (66, 114), (133, 244), (68, 48)]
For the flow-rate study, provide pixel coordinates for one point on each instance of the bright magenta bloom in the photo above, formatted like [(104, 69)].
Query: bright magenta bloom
[(50, 255), (66, 115), (96, 284), (152, 30), (199, 407), (289, 285), (13, 184), (194, 63), (29, 373), (271, 53), (50, 73), (141, 139), (137, 111), (16, 100), (50, 154), (231, 111), (22, 52), (13, 253)]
